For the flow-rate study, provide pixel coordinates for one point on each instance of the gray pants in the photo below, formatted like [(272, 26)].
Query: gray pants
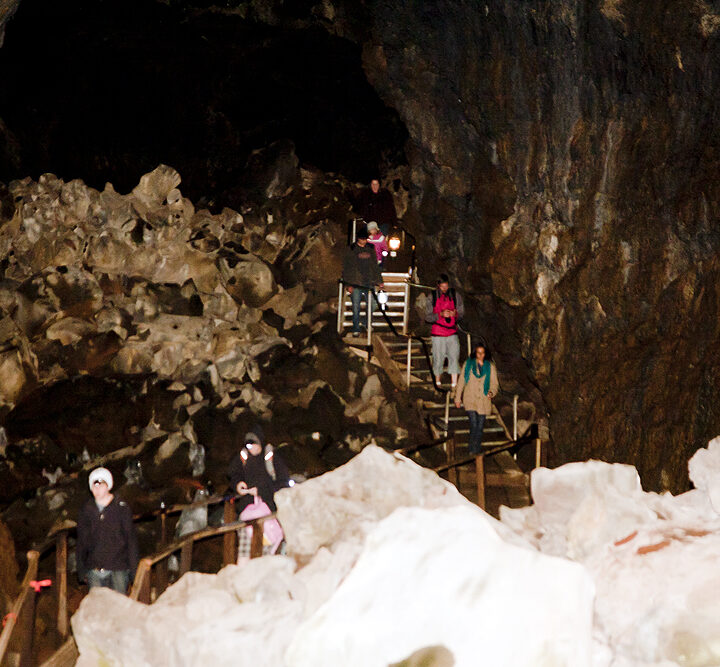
[(118, 580), (445, 347)]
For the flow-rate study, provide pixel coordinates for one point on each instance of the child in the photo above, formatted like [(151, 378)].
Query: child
[(378, 240)]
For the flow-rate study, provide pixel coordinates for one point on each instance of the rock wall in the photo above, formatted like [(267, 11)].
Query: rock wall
[(564, 159), (139, 332)]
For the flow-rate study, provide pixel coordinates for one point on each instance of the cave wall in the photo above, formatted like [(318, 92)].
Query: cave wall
[(564, 159), (563, 168)]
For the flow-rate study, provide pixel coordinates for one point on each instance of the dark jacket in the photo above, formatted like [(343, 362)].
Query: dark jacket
[(378, 207), (106, 539), (360, 266), (254, 472)]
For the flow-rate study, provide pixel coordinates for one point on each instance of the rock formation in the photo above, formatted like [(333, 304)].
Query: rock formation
[(390, 552), (139, 331), (386, 560), (565, 155), (562, 166)]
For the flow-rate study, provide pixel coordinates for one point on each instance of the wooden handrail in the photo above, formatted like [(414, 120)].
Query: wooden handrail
[(141, 588), (489, 451), (22, 614), (411, 449)]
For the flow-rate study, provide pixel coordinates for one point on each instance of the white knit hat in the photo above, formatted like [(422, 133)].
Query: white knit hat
[(100, 475)]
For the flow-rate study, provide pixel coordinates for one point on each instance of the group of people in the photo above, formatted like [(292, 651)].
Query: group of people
[(477, 384), (107, 545), (363, 261)]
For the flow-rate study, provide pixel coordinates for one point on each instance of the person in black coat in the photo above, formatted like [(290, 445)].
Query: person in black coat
[(375, 204), (257, 470), (107, 550)]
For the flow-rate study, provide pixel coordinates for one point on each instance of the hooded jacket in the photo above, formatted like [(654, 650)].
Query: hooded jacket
[(257, 471)]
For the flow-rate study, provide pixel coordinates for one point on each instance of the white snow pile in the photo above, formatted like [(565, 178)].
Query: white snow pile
[(388, 561), (396, 561), (653, 558)]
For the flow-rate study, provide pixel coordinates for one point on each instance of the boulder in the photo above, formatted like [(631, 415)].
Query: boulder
[(288, 304), (13, 376), (154, 188), (251, 282), (651, 557), (380, 539), (704, 470), (69, 330), (441, 586)]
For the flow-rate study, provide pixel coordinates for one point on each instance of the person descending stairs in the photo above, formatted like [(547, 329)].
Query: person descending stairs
[(407, 360)]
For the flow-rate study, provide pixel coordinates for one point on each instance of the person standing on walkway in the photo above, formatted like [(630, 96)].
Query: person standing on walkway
[(477, 386), (107, 550), (361, 273), (257, 470), (445, 309)]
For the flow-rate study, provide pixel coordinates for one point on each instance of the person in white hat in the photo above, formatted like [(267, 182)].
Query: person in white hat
[(107, 550)]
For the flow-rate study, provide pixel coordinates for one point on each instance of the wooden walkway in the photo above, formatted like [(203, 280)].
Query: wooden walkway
[(405, 359)]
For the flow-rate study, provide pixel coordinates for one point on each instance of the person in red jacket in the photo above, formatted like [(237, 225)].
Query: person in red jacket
[(107, 550), (444, 310)]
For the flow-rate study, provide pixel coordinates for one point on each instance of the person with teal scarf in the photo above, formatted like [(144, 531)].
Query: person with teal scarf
[(477, 385)]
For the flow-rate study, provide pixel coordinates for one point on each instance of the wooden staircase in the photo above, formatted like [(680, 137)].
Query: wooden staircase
[(404, 359)]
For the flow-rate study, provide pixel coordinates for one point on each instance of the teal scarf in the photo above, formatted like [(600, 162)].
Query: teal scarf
[(471, 367)]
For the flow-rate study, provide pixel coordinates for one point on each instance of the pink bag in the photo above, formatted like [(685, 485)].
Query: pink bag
[(272, 531)]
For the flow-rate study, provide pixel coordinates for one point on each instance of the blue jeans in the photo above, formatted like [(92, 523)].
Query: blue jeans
[(357, 297), (477, 422), (118, 580)]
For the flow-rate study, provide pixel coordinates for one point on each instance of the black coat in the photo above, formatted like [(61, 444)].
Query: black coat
[(106, 539), (377, 206), (360, 266), (254, 472)]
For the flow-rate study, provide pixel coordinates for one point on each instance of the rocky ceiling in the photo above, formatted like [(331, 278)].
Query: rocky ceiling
[(563, 159), (106, 90)]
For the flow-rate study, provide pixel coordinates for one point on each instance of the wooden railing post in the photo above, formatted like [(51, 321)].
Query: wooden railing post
[(186, 556), (61, 555), (480, 479), (27, 629), (26, 613), (256, 545), (409, 362), (447, 415), (368, 306), (161, 569), (538, 452), (341, 308), (141, 590), (229, 539), (406, 308), (452, 471)]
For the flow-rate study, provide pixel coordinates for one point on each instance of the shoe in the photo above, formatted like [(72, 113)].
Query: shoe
[(356, 334)]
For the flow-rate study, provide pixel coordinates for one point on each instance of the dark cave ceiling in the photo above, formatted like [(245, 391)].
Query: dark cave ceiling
[(105, 90)]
